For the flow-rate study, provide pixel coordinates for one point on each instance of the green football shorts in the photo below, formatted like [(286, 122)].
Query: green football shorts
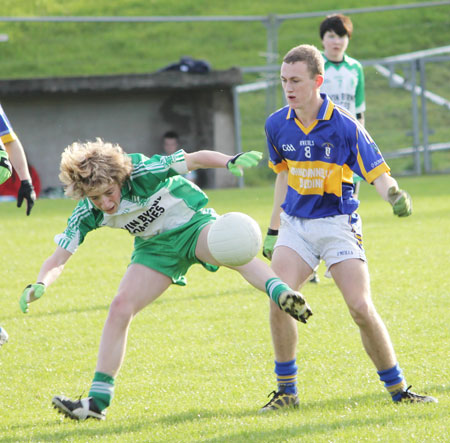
[(173, 252)]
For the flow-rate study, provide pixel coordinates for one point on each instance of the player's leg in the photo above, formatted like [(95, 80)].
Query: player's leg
[(294, 271), (352, 278), (139, 287), (262, 277)]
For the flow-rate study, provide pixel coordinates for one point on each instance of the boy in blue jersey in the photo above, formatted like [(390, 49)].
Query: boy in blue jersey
[(13, 155), (314, 147), (167, 216), (343, 77), (14, 150), (5, 173)]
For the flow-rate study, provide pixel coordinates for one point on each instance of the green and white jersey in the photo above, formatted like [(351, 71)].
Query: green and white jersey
[(344, 84), (154, 200)]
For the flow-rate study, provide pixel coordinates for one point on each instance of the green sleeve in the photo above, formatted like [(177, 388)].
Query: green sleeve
[(85, 218), (360, 97)]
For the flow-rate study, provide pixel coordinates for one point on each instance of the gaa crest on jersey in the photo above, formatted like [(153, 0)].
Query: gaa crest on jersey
[(327, 146), (287, 147)]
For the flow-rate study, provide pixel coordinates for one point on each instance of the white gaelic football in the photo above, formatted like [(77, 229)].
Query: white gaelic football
[(234, 239)]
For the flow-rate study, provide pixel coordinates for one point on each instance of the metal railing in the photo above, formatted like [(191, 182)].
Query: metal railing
[(272, 23), (415, 62)]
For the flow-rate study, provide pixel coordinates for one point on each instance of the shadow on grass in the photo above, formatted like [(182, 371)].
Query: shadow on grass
[(317, 405), (93, 429), (309, 431), (164, 299), (56, 312)]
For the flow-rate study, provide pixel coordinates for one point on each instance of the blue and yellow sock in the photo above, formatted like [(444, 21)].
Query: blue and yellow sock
[(394, 381), (287, 376), (274, 287), (102, 390)]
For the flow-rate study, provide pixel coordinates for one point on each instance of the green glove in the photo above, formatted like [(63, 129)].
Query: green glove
[(269, 243), (5, 166), (400, 201), (31, 293), (243, 160)]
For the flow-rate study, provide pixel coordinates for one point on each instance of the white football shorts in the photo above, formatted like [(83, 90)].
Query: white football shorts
[(331, 239)]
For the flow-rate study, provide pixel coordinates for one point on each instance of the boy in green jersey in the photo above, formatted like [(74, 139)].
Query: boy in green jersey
[(167, 216), (344, 79), (344, 75)]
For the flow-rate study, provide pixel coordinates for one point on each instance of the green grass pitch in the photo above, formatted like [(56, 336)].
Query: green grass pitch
[(199, 362)]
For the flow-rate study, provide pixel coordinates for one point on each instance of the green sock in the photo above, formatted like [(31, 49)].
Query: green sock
[(102, 390), (274, 287)]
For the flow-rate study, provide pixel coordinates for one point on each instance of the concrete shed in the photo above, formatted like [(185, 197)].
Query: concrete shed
[(131, 110)]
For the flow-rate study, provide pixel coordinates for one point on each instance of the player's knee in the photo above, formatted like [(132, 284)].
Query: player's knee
[(121, 309), (363, 312)]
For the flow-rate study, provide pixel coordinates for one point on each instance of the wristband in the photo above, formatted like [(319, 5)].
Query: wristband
[(272, 231)]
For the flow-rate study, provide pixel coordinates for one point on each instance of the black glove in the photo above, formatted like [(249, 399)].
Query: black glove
[(26, 191)]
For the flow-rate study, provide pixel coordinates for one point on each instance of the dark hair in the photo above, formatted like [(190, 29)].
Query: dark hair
[(170, 134), (339, 23)]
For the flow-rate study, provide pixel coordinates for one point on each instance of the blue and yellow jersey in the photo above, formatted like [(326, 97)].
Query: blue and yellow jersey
[(7, 133), (320, 159)]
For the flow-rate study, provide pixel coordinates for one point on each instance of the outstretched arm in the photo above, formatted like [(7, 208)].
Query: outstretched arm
[(53, 266), (50, 271), (206, 159), (212, 159)]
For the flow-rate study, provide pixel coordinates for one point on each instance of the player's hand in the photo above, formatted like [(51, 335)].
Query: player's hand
[(26, 191), (269, 243), (5, 166), (30, 294), (243, 160), (400, 201)]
